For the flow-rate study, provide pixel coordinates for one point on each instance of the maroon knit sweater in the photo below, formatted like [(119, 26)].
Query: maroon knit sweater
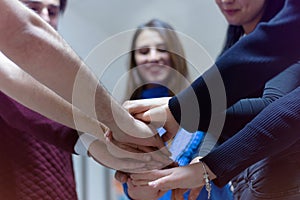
[(35, 155)]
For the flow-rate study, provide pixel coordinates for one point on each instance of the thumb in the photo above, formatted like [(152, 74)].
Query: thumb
[(167, 136), (194, 193)]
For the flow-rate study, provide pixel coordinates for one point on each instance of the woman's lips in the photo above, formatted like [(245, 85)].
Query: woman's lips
[(230, 12)]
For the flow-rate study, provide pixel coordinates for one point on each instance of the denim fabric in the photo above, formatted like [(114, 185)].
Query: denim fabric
[(274, 178)]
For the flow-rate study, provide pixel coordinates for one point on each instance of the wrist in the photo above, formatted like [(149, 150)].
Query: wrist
[(210, 173), (120, 120), (83, 144), (90, 147)]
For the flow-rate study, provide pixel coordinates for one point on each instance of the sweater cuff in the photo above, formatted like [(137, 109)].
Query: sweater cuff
[(174, 107), (83, 143)]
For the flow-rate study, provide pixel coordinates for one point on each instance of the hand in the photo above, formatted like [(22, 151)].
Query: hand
[(177, 194), (132, 162), (137, 192), (122, 177), (143, 192), (156, 159), (178, 177), (156, 112), (142, 105), (194, 193), (127, 129)]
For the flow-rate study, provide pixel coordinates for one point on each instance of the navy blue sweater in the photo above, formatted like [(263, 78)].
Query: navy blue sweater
[(244, 69)]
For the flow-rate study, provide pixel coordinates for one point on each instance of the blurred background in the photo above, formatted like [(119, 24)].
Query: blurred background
[(100, 32)]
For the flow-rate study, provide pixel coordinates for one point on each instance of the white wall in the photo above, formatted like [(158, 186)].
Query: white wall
[(88, 24)]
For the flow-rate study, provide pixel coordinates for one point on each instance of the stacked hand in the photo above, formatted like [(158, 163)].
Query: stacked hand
[(156, 112), (127, 157), (134, 145), (153, 184)]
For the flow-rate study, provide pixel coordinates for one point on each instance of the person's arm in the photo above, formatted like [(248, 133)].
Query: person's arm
[(274, 129), (243, 69), (58, 67), (242, 112), (15, 82), (174, 178), (271, 131)]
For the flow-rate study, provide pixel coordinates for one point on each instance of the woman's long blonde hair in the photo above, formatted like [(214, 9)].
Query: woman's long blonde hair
[(180, 75)]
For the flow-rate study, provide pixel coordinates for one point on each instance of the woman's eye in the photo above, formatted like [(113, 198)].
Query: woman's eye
[(163, 50), (144, 50)]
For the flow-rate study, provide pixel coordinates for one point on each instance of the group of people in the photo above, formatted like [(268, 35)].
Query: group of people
[(258, 148)]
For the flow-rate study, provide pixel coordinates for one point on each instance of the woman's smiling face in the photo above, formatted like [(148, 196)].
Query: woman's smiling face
[(152, 58), (246, 13)]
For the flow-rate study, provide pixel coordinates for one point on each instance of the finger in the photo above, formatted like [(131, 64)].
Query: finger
[(153, 165), (160, 193), (167, 136), (122, 165), (194, 193), (131, 147), (152, 139), (133, 167), (173, 196), (121, 153), (152, 175), (136, 106), (130, 184), (172, 165), (139, 183), (122, 177), (162, 156), (144, 117), (177, 194), (162, 159), (98, 150), (164, 149), (164, 183), (156, 116)]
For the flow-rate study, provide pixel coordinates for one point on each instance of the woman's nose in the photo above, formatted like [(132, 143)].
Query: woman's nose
[(154, 54)]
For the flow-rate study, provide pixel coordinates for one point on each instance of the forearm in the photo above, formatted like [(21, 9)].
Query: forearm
[(242, 112), (244, 68), (238, 115), (273, 130), (56, 64), (15, 83)]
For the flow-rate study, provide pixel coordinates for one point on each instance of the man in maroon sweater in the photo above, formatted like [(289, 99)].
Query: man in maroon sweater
[(35, 152)]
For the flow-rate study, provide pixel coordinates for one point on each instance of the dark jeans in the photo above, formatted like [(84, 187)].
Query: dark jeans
[(274, 178)]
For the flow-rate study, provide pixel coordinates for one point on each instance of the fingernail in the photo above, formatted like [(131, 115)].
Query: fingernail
[(152, 184)]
